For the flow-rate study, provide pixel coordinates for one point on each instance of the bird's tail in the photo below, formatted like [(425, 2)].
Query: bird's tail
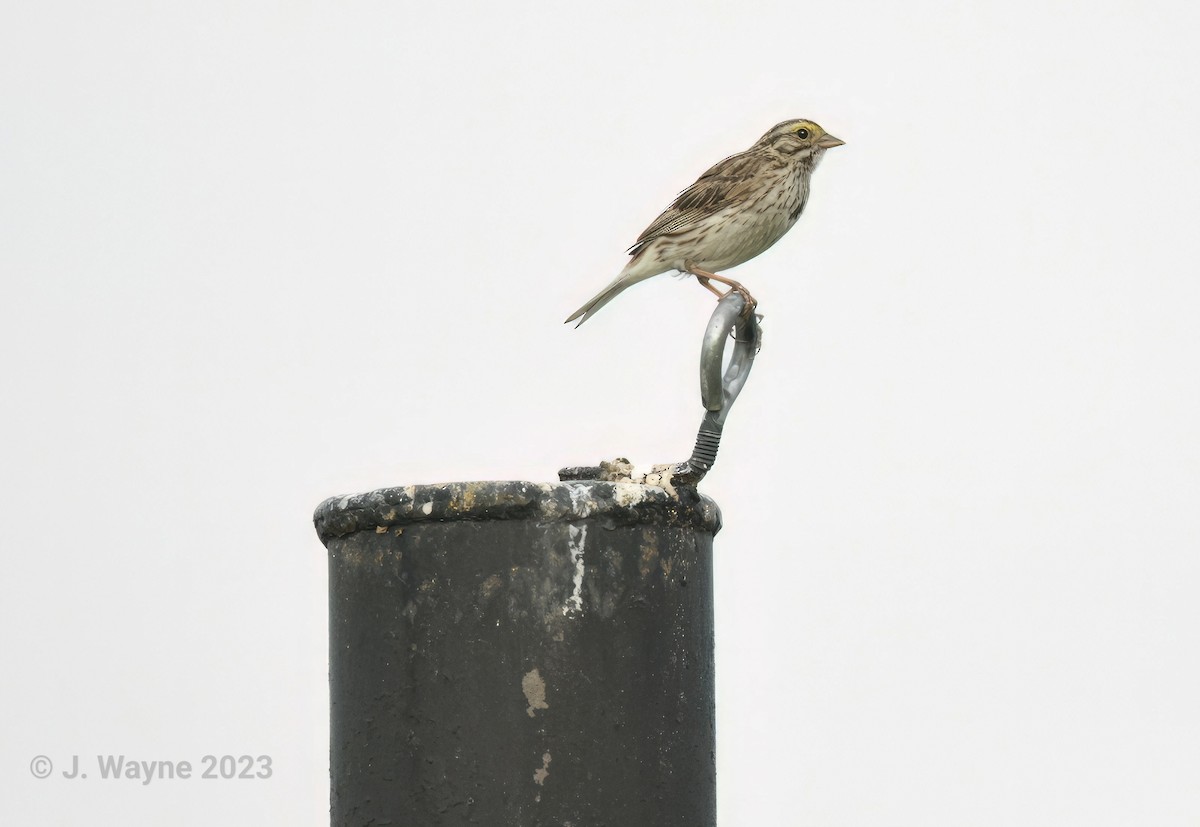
[(629, 277)]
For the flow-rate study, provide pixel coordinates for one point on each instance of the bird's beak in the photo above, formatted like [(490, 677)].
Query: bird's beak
[(829, 142)]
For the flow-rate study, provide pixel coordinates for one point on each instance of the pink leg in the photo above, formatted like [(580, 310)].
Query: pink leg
[(703, 276), (704, 282)]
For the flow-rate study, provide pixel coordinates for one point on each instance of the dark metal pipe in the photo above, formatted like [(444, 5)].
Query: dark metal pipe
[(513, 654)]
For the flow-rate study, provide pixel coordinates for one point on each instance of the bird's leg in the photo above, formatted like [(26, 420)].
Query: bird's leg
[(707, 285), (703, 276)]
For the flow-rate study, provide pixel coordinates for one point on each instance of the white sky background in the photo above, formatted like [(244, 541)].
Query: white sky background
[(255, 254)]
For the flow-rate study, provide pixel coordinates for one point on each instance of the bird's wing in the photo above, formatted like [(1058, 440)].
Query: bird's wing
[(726, 182)]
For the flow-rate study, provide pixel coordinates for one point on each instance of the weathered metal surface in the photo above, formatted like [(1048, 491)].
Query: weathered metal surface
[(622, 503), (521, 654)]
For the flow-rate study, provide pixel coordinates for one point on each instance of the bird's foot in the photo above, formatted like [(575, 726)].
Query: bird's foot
[(751, 302), (758, 317)]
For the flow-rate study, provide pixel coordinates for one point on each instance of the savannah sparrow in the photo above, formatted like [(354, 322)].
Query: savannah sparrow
[(733, 212)]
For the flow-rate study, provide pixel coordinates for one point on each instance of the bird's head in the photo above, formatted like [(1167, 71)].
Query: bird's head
[(799, 136)]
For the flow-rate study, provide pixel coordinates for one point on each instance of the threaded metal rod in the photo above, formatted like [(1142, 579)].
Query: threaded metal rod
[(704, 455)]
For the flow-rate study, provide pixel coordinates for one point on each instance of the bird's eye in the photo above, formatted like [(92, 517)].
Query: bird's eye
[(801, 133)]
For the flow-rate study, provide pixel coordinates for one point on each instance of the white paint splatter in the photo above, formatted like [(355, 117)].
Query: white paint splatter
[(581, 498), (428, 507), (576, 536), (626, 494)]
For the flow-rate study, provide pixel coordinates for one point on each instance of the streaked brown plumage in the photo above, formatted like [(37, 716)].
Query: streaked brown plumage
[(734, 211)]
